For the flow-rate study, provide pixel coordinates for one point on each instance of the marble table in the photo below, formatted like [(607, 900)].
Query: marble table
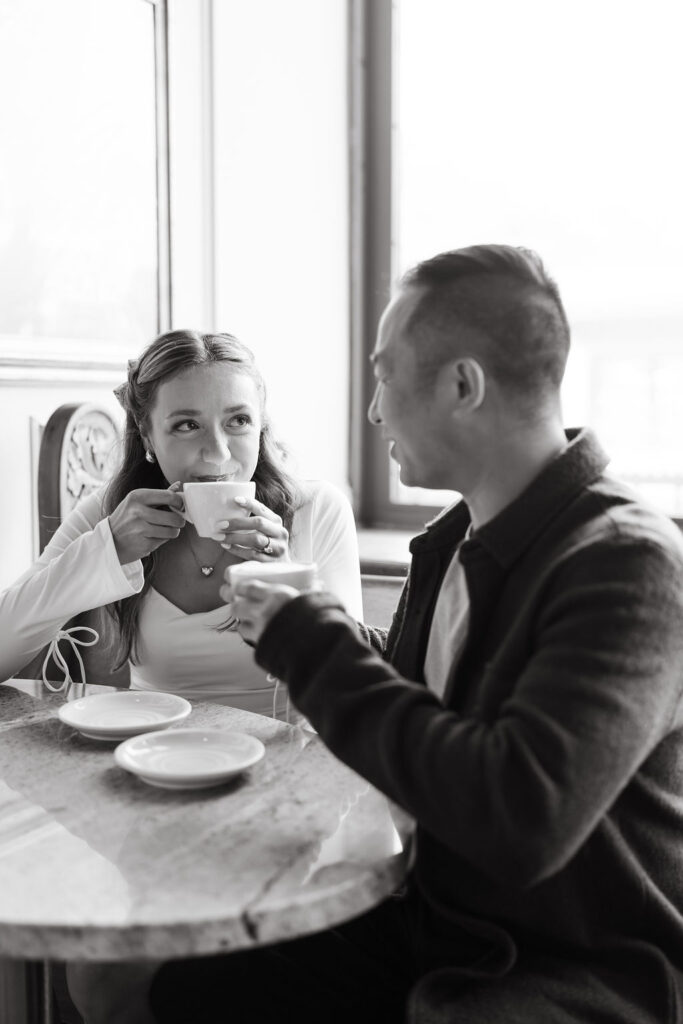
[(96, 864)]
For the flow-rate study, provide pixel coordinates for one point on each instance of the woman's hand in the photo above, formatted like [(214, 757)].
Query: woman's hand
[(145, 520), (258, 535)]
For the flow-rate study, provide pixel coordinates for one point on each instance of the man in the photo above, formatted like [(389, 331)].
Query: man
[(526, 707)]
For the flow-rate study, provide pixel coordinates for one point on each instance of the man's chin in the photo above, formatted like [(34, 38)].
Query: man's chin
[(407, 478), (405, 474)]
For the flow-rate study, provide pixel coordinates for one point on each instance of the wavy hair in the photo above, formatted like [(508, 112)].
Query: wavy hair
[(166, 357)]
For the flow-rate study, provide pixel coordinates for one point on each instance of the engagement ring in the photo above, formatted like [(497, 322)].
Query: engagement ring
[(267, 550)]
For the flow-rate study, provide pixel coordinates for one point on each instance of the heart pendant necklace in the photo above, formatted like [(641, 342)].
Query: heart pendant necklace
[(206, 570)]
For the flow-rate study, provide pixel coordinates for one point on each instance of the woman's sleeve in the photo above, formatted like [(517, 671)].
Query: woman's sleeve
[(78, 570), (335, 547)]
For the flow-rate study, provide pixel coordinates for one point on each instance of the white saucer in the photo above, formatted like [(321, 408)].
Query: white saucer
[(114, 716), (189, 758)]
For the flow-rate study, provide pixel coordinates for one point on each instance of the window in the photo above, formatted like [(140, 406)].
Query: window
[(83, 182), (553, 126)]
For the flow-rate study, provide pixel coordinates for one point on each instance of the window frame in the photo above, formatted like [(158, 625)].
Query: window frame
[(372, 252), (29, 360), (373, 236)]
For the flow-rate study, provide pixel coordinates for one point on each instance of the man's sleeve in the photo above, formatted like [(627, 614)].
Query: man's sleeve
[(518, 792)]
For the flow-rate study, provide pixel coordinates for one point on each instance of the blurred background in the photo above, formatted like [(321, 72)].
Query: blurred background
[(271, 168)]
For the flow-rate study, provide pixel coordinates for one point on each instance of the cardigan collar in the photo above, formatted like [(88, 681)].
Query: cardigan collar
[(511, 531)]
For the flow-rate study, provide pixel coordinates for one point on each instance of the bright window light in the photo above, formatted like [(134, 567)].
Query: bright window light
[(557, 126), (78, 211)]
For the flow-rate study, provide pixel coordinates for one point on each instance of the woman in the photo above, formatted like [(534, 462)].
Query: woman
[(195, 410)]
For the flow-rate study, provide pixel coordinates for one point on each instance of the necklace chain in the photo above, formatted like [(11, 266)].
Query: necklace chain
[(206, 570)]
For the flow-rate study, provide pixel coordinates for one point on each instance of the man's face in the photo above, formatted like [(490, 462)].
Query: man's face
[(409, 417)]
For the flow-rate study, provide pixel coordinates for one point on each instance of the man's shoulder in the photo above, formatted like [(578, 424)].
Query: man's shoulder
[(629, 514), (612, 515)]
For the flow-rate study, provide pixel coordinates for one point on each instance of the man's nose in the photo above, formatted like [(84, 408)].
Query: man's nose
[(373, 409)]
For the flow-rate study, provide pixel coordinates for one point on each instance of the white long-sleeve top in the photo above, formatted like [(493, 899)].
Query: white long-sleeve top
[(177, 652)]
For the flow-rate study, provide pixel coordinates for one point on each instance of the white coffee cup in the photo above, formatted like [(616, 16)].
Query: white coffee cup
[(301, 575), (206, 504)]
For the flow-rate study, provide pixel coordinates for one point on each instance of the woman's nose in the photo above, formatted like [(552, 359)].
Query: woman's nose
[(216, 448)]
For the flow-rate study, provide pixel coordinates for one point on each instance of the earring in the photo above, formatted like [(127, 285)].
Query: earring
[(149, 455)]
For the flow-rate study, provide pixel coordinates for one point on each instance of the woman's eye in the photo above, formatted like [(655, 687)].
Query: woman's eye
[(185, 426), (241, 420)]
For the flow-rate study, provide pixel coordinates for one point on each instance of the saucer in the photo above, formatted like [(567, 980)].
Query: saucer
[(115, 716), (189, 758)]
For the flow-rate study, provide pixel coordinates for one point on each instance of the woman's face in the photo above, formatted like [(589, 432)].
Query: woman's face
[(205, 424)]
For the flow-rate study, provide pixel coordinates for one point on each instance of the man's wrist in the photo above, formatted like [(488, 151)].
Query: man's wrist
[(287, 638)]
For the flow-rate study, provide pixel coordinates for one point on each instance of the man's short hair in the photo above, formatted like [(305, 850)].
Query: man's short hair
[(510, 309)]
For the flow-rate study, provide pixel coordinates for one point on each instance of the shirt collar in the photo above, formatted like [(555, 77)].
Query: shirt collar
[(515, 527)]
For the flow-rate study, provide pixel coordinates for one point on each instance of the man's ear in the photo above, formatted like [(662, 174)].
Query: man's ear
[(466, 382)]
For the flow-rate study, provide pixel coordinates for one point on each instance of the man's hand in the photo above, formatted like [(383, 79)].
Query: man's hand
[(254, 604)]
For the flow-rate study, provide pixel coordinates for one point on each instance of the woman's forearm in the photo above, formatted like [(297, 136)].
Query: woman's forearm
[(87, 574)]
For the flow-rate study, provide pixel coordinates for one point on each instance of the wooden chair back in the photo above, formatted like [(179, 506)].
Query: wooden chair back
[(77, 455)]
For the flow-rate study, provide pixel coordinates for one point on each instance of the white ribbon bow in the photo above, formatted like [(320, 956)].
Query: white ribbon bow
[(54, 652)]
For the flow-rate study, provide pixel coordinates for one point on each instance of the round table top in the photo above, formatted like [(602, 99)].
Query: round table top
[(96, 864)]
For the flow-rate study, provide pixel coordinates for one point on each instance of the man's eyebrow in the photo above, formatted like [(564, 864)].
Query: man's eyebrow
[(198, 412)]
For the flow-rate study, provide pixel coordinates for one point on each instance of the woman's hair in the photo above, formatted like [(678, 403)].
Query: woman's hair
[(167, 356)]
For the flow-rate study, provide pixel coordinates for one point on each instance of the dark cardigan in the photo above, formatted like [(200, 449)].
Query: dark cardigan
[(548, 785)]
